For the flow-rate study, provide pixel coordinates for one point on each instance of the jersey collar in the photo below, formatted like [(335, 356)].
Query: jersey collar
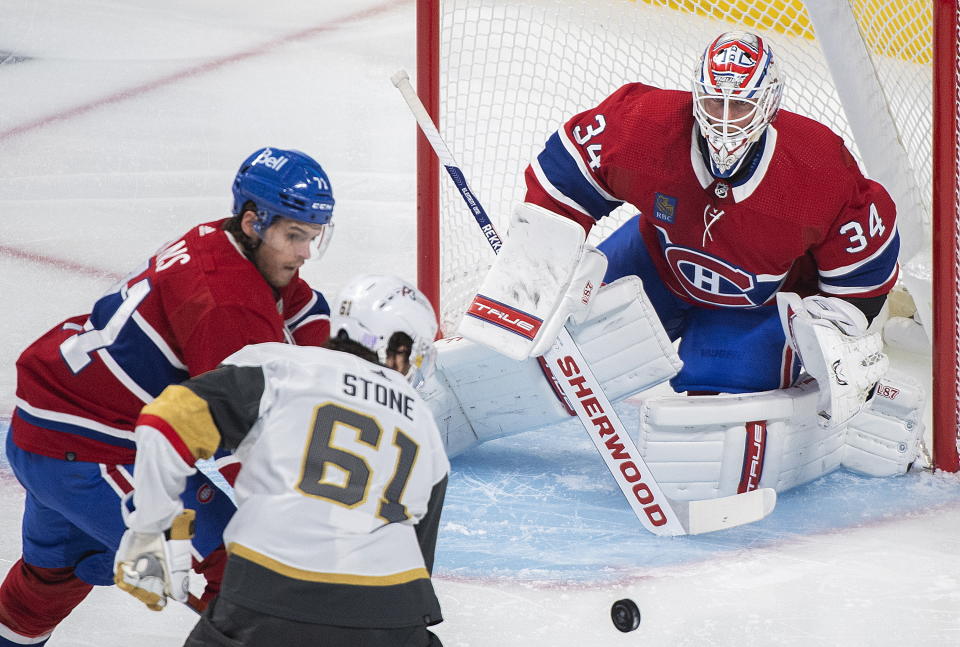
[(745, 182)]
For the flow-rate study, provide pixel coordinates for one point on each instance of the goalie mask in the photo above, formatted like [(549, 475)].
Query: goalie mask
[(736, 94), (386, 314)]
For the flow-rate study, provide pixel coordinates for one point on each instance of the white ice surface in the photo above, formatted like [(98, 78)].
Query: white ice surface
[(124, 128)]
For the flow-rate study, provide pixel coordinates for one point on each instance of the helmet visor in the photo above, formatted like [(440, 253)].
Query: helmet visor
[(293, 238), (423, 363)]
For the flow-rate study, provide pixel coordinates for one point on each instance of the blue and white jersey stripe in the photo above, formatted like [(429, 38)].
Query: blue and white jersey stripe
[(138, 357), (866, 275), (315, 309), (564, 176), (70, 424)]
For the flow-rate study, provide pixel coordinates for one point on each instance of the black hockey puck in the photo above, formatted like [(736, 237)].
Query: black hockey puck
[(625, 615)]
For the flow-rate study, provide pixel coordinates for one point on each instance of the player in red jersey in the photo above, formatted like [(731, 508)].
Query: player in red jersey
[(761, 248), (80, 387), (738, 201)]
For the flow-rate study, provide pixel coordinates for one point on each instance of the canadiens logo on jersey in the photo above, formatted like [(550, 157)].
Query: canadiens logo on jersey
[(711, 280)]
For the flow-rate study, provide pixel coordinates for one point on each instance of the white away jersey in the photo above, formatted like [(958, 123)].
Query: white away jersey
[(345, 444), (340, 492)]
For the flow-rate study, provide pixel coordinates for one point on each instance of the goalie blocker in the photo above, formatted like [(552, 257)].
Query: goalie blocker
[(775, 438), (543, 275)]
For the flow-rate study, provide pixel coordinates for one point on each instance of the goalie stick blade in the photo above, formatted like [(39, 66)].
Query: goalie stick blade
[(710, 515)]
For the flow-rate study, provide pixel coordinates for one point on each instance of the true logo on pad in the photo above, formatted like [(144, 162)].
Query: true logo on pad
[(499, 314)]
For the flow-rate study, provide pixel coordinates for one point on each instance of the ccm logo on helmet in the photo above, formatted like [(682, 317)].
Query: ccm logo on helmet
[(267, 159), (499, 314), (616, 450)]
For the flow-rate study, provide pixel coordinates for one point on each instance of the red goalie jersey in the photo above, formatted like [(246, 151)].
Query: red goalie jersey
[(81, 385), (799, 217)]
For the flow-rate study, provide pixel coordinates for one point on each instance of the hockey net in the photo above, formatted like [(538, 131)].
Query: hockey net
[(501, 75)]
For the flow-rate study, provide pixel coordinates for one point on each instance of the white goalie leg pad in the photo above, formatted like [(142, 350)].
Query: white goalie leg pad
[(703, 447), (884, 438), (624, 342), (543, 274), (477, 394), (830, 337)]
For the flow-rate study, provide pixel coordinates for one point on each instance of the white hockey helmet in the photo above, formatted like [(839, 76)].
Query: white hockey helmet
[(736, 94), (372, 308)]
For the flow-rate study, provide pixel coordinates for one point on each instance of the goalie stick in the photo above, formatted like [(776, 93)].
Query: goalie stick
[(658, 513)]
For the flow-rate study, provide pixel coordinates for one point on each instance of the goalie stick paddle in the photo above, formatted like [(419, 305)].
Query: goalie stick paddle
[(658, 513)]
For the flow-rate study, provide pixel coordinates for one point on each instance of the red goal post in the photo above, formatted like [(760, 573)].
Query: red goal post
[(945, 234), (499, 76)]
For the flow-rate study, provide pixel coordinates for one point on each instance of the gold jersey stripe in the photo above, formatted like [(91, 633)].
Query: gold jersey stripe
[(327, 578), (190, 417), (899, 29)]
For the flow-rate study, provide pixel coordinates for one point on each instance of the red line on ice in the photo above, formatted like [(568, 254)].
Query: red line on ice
[(137, 91), (58, 263), (197, 70)]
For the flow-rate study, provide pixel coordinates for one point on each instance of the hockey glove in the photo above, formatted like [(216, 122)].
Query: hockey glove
[(830, 337), (153, 567)]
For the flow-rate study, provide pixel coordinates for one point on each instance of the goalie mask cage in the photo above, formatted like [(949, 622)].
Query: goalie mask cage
[(500, 76)]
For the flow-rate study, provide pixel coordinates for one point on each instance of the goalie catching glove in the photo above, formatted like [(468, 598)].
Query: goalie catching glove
[(543, 275), (830, 337), (155, 566)]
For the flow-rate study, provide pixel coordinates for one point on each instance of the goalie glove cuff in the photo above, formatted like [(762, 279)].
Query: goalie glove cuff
[(576, 303)]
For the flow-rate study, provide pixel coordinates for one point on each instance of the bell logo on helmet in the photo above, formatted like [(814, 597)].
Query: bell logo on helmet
[(267, 159), (286, 184)]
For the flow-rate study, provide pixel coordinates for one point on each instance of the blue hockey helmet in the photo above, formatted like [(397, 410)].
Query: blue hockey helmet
[(284, 183)]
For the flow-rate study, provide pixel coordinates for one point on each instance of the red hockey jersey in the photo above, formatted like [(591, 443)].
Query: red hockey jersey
[(81, 385), (801, 217)]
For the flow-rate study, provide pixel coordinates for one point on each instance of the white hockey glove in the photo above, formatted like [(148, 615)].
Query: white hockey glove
[(830, 337), (155, 566)]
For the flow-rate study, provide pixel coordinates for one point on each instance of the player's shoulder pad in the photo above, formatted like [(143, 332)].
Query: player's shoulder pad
[(260, 354)]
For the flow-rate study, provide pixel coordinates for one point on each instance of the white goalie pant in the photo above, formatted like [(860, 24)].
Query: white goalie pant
[(773, 439), (477, 394)]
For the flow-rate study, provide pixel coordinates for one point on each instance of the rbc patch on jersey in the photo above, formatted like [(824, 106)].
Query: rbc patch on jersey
[(664, 207)]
